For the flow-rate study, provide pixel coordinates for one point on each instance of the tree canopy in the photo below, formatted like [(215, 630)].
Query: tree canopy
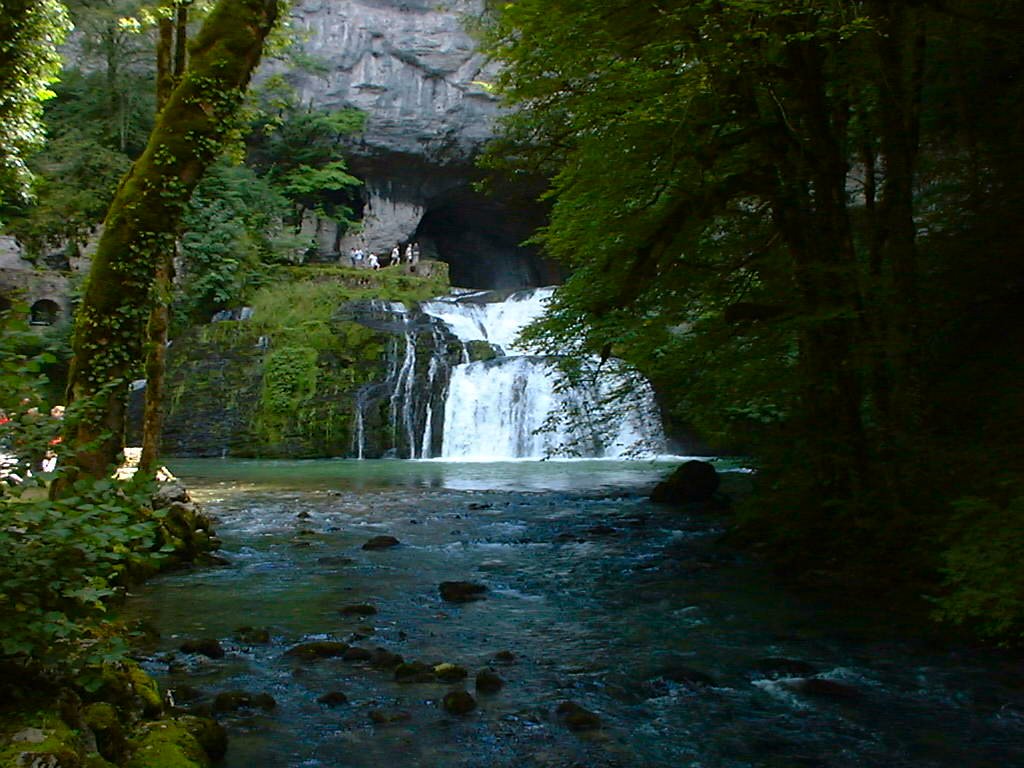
[(30, 31), (765, 206)]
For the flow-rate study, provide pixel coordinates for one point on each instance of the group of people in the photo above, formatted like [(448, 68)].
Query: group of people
[(32, 440), (360, 258)]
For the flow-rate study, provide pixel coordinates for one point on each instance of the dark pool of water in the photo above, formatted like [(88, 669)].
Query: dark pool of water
[(627, 608)]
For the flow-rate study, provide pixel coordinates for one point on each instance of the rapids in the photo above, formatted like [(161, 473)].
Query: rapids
[(687, 651)]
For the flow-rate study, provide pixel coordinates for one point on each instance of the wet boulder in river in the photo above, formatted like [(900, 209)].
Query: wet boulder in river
[(692, 481), (450, 673), (357, 654), (207, 646), (389, 716), (461, 591), (318, 649), (358, 609), (576, 718), (414, 672), (458, 702), (488, 681), (232, 701), (381, 542)]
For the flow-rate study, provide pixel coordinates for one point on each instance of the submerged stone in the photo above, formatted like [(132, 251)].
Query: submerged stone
[(381, 542), (576, 718), (692, 481), (358, 609), (232, 701), (458, 702), (318, 649), (450, 673), (488, 681), (333, 699), (357, 654), (206, 646), (414, 672), (505, 657), (389, 716), (461, 591)]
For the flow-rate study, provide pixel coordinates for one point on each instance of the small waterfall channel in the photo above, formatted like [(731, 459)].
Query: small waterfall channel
[(458, 387)]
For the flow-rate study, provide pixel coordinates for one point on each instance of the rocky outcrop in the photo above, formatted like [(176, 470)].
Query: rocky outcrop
[(409, 64), (415, 71)]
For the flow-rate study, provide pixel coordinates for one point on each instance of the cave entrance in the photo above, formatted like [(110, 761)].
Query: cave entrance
[(481, 242)]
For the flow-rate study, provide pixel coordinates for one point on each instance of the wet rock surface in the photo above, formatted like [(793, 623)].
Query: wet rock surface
[(461, 591)]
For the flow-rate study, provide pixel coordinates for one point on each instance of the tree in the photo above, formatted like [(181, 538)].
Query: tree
[(737, 187), (30, 31), (142, 223)]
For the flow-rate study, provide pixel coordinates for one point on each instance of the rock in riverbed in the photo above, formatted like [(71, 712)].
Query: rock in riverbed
[(692, 481), (333, 699), (450, 673), (381, 542), (318, 649), (358, 609), (458, 702), (461, 591), (576, 718), (207, 646), (488, 681), (232, 701), (389, 716)]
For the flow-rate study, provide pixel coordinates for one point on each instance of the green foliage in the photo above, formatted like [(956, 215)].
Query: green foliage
[(297, 148), (982, 568), (60, 565), (289, 378), (30, 32), (60, 561), (233, 231), (791, 217)]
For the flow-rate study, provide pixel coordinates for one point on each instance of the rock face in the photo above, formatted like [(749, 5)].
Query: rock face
[(692, 481), (409, 64), (412, 67)]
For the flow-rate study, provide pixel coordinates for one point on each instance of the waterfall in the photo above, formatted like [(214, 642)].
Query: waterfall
[(522, 406), (401, 415)]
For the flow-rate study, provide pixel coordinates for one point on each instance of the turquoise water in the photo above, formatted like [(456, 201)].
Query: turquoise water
[(630, 609)]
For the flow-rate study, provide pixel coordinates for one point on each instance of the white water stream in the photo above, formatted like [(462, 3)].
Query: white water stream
[(519, 406)]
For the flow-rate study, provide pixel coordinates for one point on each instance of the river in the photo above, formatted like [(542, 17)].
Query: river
[(690, 654)]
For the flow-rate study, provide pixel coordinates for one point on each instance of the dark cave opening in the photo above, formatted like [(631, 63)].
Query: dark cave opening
[(481, 240)]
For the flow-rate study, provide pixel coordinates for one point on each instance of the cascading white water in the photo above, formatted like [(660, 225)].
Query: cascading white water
[(497, 322), (522, 406)]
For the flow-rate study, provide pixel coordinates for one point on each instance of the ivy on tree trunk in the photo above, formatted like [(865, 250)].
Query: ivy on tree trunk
[(142, 222)]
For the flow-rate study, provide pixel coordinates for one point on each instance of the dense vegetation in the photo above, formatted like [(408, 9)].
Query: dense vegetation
[(798, 218)]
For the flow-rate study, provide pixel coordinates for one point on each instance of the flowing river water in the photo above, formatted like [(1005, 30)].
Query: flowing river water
[(690, 654)]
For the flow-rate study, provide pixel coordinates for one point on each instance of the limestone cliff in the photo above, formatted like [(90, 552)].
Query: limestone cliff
[(412, 67)]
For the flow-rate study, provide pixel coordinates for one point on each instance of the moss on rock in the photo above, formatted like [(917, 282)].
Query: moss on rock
[(167, 744), (283, 384)]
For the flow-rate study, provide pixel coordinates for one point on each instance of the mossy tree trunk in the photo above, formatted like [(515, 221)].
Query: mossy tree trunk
[(142, 222), (170, 66)]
